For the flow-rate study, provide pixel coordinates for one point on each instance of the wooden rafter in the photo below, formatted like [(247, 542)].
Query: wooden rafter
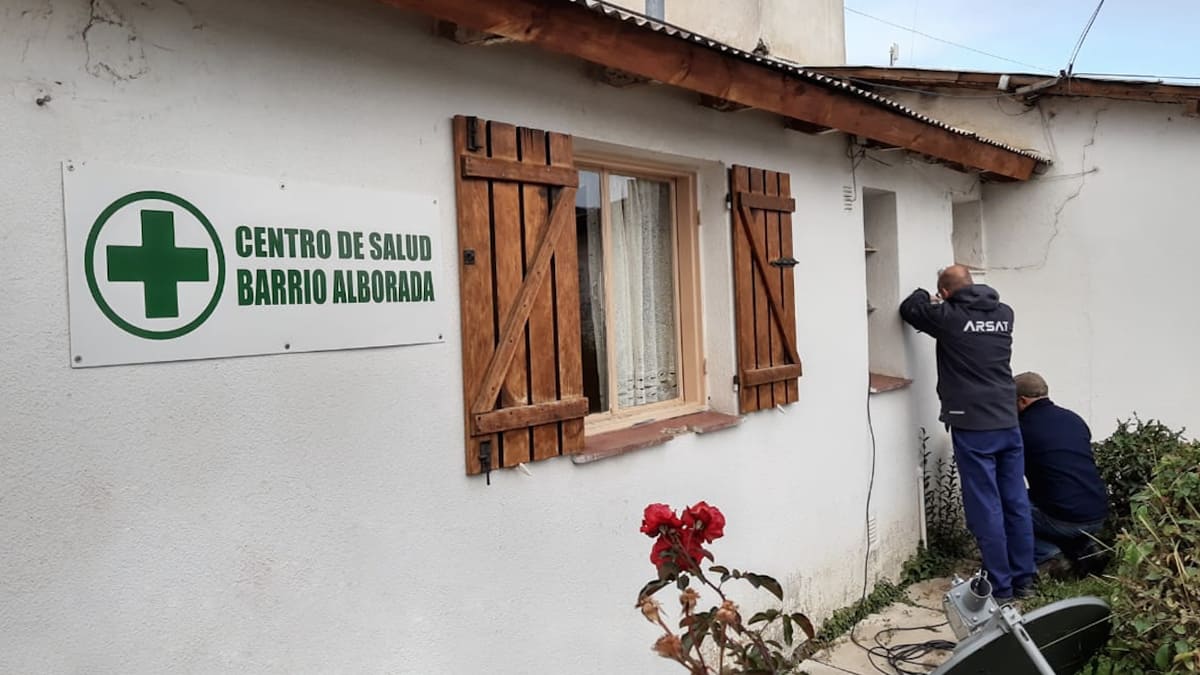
[(466, 36), (807, 127), (614, 77), (577, 31), (1037, 85), (720, 104)]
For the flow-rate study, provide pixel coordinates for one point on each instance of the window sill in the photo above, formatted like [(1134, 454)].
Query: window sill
[(884, 383), (613, 443)]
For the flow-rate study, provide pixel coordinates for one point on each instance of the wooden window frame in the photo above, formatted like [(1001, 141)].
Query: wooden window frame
[(688, 311)]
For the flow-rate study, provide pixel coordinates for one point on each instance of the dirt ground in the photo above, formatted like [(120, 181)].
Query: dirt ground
[(922, 609)]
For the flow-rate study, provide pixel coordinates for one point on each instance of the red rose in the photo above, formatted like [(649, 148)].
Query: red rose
[(660, 547), (691, 546), (707, 521), (658, 516)]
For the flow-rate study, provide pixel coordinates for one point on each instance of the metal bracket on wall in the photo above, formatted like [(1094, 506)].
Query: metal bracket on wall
[(473, 142), (485, 459)]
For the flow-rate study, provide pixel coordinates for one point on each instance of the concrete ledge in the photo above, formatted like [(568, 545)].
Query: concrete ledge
[(885, 383)]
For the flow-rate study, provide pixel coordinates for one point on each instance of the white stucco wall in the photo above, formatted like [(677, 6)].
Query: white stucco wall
[(1099, 258), (810, 32), (309, 512), (1095, 254)]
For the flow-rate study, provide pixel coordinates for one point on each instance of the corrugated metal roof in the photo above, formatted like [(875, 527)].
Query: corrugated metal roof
[(628, 16), (927, 80)]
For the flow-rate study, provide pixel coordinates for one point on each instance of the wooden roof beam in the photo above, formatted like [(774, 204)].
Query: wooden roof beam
[(466, 36), (1126, 90), (577, 31), (720, 104), (808, 127), (614, 77)]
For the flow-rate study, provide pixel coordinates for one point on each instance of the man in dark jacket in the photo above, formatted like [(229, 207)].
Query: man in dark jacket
[(973, 330), (1070, 500)]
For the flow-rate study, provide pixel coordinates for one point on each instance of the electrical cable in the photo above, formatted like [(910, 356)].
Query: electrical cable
[(938, 39), (896, 656), (870, 493), (867, 526), (1079, 43), (900, 655)]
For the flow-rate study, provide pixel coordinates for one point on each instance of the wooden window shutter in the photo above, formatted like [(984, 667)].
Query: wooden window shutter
[(764, 295), (519, 278)]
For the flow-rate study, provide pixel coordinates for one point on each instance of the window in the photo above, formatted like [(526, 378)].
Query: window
[(579, 295), (635, 237)]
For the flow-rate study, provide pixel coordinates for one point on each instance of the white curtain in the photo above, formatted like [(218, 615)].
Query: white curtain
[(643, 292)]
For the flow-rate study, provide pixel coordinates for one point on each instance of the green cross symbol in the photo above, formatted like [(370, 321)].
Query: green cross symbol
[(158, 264)]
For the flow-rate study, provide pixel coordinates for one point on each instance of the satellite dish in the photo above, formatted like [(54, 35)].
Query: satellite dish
[(1057, 639)]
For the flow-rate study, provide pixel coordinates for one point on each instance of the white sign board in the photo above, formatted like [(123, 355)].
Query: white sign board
[(166, 266)]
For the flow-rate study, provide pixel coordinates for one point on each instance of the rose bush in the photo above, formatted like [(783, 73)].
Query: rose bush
[(716, 641)]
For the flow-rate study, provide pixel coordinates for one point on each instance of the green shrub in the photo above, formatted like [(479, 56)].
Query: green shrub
[(1126, 461), (945, 524), (1157, 597)]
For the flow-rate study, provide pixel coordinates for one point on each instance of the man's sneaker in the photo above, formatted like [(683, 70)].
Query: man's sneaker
[(1093, 559), (1057, 567), (1026, 590)]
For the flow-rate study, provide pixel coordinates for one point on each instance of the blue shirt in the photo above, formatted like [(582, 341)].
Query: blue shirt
[(1064, 482)]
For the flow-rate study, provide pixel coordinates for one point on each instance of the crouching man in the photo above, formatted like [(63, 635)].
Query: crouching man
[(1070, 500)]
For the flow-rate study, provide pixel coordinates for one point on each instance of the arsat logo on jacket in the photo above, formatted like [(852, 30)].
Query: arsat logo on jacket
[(982, 326)]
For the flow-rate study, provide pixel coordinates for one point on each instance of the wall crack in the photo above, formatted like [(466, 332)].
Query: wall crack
[(113, 49), (1055, 225)]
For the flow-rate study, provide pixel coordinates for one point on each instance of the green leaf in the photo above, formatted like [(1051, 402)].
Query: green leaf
[(682, 582), (764, 581), (766, 615), (805, 625), (1162, 658), (719, 569), (652, 587), (788, 633)]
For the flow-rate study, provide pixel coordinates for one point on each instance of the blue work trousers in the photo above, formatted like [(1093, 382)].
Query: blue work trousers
[(1052, 537), (992, 467)]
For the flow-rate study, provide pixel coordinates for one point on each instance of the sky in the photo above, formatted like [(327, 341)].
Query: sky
[(1151, 37)]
